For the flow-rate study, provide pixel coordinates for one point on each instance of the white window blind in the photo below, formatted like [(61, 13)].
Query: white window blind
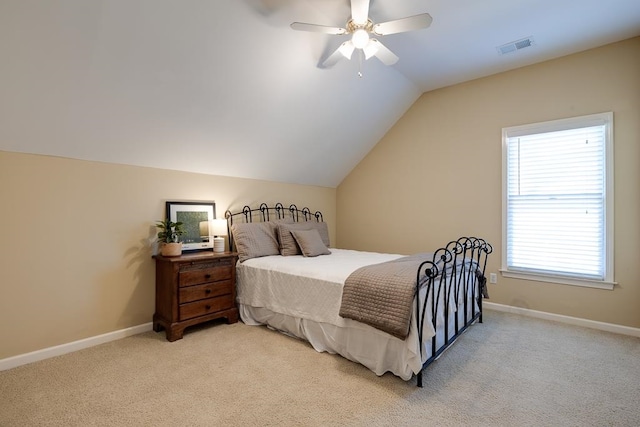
[(556, 208)]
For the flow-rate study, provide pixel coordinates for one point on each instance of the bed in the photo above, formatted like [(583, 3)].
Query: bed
[(389, 312)]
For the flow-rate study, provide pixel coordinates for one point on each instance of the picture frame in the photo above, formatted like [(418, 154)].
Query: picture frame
[(195, 217)]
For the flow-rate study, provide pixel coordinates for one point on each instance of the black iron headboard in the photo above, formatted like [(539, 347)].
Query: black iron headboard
[(264, 213)]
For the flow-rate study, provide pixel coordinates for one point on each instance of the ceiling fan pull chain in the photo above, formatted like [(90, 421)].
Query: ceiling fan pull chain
[(360, 63)]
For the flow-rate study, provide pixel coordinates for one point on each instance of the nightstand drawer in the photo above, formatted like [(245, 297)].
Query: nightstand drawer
[(205, 306), (195, 277), (208, 290)]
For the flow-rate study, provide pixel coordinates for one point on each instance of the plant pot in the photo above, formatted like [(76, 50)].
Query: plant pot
[(171, 249)]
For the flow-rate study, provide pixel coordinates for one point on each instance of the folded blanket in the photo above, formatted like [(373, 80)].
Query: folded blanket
[(381, 295)]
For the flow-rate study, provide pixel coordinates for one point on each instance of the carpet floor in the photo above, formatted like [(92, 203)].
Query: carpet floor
[(508, 371)]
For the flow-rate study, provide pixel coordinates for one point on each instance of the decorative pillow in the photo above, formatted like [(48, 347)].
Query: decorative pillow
[(255, 239), (288, 245), (310, 243)]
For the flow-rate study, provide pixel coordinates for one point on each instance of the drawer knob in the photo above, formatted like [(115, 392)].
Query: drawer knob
[(207, 276), (208, 291), (208, 307)]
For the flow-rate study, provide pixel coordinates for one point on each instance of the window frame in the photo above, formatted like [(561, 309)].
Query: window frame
[(605, 119)]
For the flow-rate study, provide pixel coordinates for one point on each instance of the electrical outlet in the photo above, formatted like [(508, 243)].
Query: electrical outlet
[(493, 278)]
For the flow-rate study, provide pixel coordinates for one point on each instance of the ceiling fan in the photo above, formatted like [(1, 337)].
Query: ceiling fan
[(361, 28)]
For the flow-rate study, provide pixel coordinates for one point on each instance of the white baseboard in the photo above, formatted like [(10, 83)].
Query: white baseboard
[(46, 353), (609, 327)]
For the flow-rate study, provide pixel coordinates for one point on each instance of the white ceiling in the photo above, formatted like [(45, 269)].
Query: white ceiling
[(225, 87)]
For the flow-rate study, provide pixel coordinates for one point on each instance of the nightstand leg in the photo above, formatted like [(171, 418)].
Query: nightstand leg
[(174, 333), (232, 317)]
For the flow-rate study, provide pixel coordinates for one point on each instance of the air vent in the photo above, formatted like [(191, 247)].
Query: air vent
[(516, 45)]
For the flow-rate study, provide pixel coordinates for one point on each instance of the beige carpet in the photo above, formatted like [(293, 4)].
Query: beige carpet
[(508, 371)]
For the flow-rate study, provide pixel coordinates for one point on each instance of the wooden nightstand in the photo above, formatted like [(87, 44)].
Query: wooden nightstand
[(194, 288)]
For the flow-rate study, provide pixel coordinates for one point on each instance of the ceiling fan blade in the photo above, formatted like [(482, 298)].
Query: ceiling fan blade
[(416, 22), (344, 51), (301, 26), (381, 52), (360, 11)]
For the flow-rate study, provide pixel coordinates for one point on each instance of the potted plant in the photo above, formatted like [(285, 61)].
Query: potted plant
[(169, 237)]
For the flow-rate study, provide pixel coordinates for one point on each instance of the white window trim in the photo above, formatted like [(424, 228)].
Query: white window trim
[(550, 126)]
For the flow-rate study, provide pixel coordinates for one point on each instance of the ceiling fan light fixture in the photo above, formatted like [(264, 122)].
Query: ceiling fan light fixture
[(346, 49), (360, 38)]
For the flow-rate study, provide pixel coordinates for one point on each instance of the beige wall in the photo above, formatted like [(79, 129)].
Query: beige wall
[(78, 241), (436, 175)]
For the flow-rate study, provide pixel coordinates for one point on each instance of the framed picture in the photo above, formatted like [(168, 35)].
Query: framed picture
[(195, 217)]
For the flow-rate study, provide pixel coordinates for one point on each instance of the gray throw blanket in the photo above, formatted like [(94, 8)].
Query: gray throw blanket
[(381, 295)]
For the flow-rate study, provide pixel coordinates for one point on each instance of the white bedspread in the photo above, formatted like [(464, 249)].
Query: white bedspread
[(302, 296), (308, 288)]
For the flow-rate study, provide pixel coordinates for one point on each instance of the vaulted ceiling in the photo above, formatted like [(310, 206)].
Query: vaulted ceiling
[(226, 87)]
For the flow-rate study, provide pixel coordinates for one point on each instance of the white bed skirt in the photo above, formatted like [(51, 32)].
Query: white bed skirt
[(378, 351)]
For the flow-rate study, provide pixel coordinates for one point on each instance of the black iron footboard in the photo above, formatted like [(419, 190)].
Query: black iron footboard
[(450, 288)]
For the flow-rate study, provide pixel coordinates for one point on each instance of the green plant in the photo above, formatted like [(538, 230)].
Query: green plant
[(169, 231)]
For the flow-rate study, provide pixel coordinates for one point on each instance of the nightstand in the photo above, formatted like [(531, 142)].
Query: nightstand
[(194, 288)]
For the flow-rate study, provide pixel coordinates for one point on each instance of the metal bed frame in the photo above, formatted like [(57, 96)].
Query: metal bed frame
[(459, 278)]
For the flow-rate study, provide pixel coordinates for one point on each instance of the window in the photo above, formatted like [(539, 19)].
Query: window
[(558, 201)]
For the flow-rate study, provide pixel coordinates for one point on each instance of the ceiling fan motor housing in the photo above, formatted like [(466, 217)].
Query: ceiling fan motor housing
[(353, 26)]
